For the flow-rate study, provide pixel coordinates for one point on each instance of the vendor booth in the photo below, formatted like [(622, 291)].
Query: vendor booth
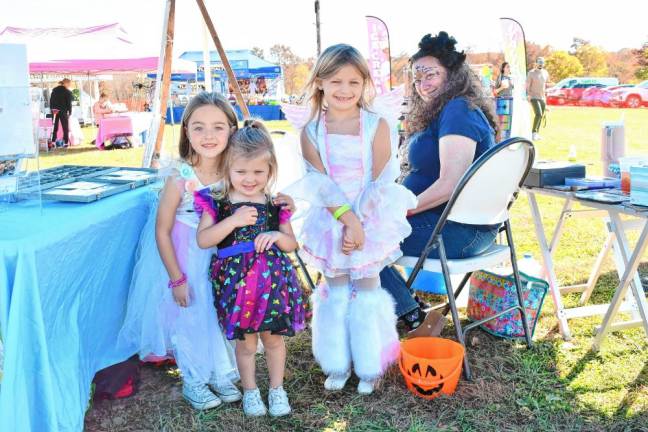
[(258, 79), (81, 62)]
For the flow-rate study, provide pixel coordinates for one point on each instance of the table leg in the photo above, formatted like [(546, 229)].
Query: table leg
[(548, 260), (596, 270), (622, 254), (620, 293)]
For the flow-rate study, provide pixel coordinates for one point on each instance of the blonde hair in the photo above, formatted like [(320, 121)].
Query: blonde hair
[(187, 153), (250, 142), (329, 62)]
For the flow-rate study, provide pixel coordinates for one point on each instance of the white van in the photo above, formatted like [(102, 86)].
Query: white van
[(572, 81)]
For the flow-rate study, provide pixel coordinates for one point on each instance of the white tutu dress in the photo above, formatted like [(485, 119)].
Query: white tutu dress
[(155, 326), (380, 204), (352, 326)]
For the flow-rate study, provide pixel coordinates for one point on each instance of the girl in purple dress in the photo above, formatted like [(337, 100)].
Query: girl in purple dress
[(256, 290)]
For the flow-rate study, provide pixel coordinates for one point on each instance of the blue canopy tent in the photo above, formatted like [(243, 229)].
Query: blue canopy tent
[(245, 65)]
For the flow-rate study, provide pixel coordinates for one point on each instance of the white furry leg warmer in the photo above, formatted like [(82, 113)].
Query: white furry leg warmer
[(329, 323), (372, 327)]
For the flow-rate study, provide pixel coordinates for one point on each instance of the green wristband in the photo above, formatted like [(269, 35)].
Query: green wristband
[(341, 210)]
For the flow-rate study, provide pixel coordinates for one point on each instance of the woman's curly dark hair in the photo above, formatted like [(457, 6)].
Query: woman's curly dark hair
[(461, 81)]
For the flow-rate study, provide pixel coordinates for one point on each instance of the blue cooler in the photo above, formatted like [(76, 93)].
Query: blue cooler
[(426, 281)]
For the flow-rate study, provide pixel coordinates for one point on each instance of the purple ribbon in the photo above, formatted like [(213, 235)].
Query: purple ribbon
[(236, 249)]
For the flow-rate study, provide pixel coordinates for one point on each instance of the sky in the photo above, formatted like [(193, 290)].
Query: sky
[(263, 23)]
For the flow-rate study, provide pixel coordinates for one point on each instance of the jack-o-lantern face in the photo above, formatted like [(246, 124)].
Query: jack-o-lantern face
[(429, 372)]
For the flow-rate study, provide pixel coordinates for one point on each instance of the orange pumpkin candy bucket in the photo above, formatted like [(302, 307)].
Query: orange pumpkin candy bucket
[(431, 366)]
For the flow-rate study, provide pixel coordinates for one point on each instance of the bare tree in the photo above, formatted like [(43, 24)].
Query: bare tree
[(258, 52)]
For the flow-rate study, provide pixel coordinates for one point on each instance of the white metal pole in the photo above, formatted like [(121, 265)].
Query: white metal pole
[(151, 136), (206, 59)]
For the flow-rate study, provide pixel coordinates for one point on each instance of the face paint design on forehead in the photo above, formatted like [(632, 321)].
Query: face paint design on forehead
[(426, 72)]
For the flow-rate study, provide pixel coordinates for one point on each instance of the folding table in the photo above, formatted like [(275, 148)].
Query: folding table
[(626, 261)]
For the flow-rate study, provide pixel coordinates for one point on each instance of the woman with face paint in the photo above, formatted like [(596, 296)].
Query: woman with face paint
[(450, 124)]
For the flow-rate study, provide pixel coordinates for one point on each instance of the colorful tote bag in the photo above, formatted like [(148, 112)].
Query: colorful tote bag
[(491, 293)]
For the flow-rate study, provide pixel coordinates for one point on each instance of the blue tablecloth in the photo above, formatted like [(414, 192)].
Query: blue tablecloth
[(177, 115), (265, 112), (64, 279)]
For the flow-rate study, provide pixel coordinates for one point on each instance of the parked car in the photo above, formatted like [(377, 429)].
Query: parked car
[(592, 96), (605, 96), (568, 95), (631, 97), (572, 81)]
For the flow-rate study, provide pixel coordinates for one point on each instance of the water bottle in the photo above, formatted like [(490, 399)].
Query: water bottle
[(530, 266), (571, 156)]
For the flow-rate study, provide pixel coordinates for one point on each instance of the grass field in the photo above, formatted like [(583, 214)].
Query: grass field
[(555, 386)]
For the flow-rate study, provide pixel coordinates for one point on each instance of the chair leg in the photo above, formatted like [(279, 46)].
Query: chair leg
[(518, 285), (453, 308), (446, 307)]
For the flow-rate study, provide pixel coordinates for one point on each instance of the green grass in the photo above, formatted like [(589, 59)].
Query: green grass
[(555, 386)]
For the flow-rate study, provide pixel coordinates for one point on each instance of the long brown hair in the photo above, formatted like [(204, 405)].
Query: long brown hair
[(329, 62), (201, 99), (250, 142)]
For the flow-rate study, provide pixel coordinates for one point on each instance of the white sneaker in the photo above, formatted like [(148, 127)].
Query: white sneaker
[(225, 390), (253, 404), (199, 396), (278, 402), (336, 382), (366, 387), (536, 136)]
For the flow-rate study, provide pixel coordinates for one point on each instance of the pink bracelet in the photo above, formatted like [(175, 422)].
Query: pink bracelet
[(177, 283)]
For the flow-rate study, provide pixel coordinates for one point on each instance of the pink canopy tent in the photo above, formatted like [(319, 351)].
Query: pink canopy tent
[(55, 43), (94, 66), (85, 50)]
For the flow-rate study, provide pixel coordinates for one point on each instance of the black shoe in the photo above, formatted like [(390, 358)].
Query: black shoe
[(422, 304)]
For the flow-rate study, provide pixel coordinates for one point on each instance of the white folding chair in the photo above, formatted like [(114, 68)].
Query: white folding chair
[(483, 197)]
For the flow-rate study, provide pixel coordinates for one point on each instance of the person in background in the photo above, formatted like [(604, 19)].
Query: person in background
[(504, 83), (61, 106), (537, 80), (101, 107), (503, 108)]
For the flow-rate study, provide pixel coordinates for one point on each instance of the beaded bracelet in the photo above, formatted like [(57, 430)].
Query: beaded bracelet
[(341, 210), (178, 282)]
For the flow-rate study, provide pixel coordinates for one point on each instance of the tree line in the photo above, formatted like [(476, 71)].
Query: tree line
[(582, 59)]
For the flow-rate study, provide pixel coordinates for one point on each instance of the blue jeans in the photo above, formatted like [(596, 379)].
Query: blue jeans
[(460, 241)]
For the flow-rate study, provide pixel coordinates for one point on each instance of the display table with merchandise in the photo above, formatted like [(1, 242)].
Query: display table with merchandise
[(65, 272), (619, 216)]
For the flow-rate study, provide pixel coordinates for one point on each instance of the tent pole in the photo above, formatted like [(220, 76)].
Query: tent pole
[(166, 76), (226, 65), (156, 129)]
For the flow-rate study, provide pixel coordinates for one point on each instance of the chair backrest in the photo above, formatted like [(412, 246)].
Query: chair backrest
[(487, 190)]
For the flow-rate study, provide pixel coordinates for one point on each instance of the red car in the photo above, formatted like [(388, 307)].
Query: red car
[(592, 96), (605, 96), (570, 95), (631, 97)]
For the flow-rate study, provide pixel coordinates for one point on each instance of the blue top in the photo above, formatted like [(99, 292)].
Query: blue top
[(456, 118)]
